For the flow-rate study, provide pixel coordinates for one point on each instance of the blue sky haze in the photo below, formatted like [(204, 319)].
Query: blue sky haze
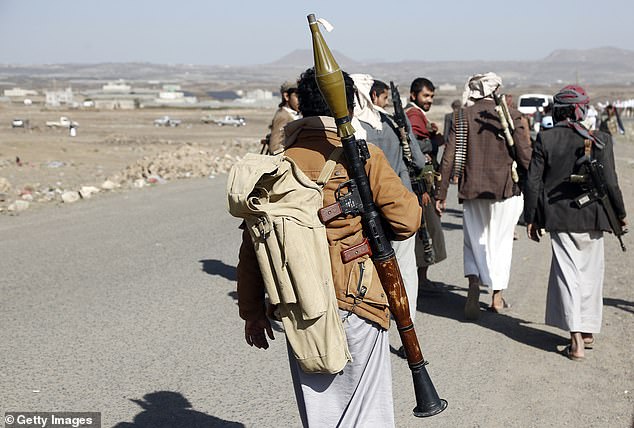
[(256, 32)]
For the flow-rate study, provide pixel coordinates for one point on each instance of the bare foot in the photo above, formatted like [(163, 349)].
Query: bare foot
[(575, 351), (498, 304)]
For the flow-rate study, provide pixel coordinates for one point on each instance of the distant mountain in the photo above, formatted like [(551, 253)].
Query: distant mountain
[(604, 54), (606, 65), (600, 66), (303, 58)]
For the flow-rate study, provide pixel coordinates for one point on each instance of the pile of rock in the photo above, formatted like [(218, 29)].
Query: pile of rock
[(185, 161)]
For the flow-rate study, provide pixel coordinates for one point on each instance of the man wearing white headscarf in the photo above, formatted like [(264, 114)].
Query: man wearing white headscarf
[(379, 128), (491, 199)]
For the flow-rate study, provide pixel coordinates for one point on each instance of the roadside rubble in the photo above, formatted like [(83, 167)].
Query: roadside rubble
[(183, 161)]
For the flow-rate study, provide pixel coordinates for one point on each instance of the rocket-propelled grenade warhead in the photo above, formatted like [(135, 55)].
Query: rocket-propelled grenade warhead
[(330, 80)]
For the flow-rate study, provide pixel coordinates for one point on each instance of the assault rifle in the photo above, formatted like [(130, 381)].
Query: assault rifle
[(507, 128), (331, 84), (419, 186), (596, 190)]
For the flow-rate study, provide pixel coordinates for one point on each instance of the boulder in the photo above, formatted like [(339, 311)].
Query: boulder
[(5, 185), (70, 197), (87, 191), (108, 185)]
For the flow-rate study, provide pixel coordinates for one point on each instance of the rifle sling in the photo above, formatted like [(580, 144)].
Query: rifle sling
[(329, 166)]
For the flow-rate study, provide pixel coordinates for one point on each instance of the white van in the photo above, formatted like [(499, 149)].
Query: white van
[(530, 103)]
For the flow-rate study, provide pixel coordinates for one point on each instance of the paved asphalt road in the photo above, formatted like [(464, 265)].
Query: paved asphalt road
[(125, 305)]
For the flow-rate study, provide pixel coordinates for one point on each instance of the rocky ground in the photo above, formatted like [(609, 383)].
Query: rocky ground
[(113, 151)]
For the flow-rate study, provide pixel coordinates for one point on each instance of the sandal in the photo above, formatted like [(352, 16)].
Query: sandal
[(568, 353), (589, 344)]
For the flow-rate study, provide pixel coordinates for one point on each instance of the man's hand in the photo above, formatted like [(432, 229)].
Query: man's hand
[(425, 199), (624, 225), (434, 128), (533, 232), (441, 205), (254, 333)]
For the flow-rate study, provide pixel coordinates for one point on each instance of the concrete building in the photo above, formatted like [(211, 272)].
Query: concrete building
[(119, 87), (259, 94), (57, 98), (19, 93)]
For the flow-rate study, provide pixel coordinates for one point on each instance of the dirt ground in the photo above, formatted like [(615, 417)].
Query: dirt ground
[(39, 158)]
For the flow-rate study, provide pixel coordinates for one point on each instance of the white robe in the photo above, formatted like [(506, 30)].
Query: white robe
[(406, 258), (361, 394), (575, 286), (488, 239)]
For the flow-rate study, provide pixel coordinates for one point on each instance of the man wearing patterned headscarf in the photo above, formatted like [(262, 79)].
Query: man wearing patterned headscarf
[(491, 199), (574, 300)]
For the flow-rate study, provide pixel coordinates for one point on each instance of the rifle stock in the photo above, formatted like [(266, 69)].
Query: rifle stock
[(331, 83)]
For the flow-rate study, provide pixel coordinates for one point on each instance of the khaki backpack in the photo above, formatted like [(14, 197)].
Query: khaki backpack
[(279, 205)]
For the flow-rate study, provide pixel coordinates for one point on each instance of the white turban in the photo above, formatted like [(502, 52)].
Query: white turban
[(364, 109), (480, 86)]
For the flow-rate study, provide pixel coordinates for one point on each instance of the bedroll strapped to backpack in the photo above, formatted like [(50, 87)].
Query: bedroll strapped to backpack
[(279, 205)]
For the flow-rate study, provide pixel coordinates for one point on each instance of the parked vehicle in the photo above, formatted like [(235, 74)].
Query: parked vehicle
[(19, 123), (531, 103), (63, 122), (166, 121), (231, 121)]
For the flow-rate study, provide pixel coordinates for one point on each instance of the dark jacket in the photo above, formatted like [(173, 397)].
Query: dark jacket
[(487, 170), (549, 195)]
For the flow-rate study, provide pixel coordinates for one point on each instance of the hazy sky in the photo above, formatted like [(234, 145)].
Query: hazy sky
[(260, 31)]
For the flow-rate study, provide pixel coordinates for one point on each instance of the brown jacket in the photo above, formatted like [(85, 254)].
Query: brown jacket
[(487, 170), (309, 143)]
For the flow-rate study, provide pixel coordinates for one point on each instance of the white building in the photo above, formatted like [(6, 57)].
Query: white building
[(119, 87), (259, 94), (447, 87), (19, 92), (57, 98)]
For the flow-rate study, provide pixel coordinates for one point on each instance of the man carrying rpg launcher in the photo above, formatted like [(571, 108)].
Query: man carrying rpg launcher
[(573, 192), (361, 393)]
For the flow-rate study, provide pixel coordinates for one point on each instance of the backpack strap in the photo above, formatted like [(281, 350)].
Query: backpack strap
[(329, 166)]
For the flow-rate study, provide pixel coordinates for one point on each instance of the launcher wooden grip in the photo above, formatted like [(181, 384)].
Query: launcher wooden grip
[(329, 212), (356, 251)]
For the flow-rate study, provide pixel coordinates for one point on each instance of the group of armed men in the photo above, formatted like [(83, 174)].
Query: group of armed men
[(500, 173)]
